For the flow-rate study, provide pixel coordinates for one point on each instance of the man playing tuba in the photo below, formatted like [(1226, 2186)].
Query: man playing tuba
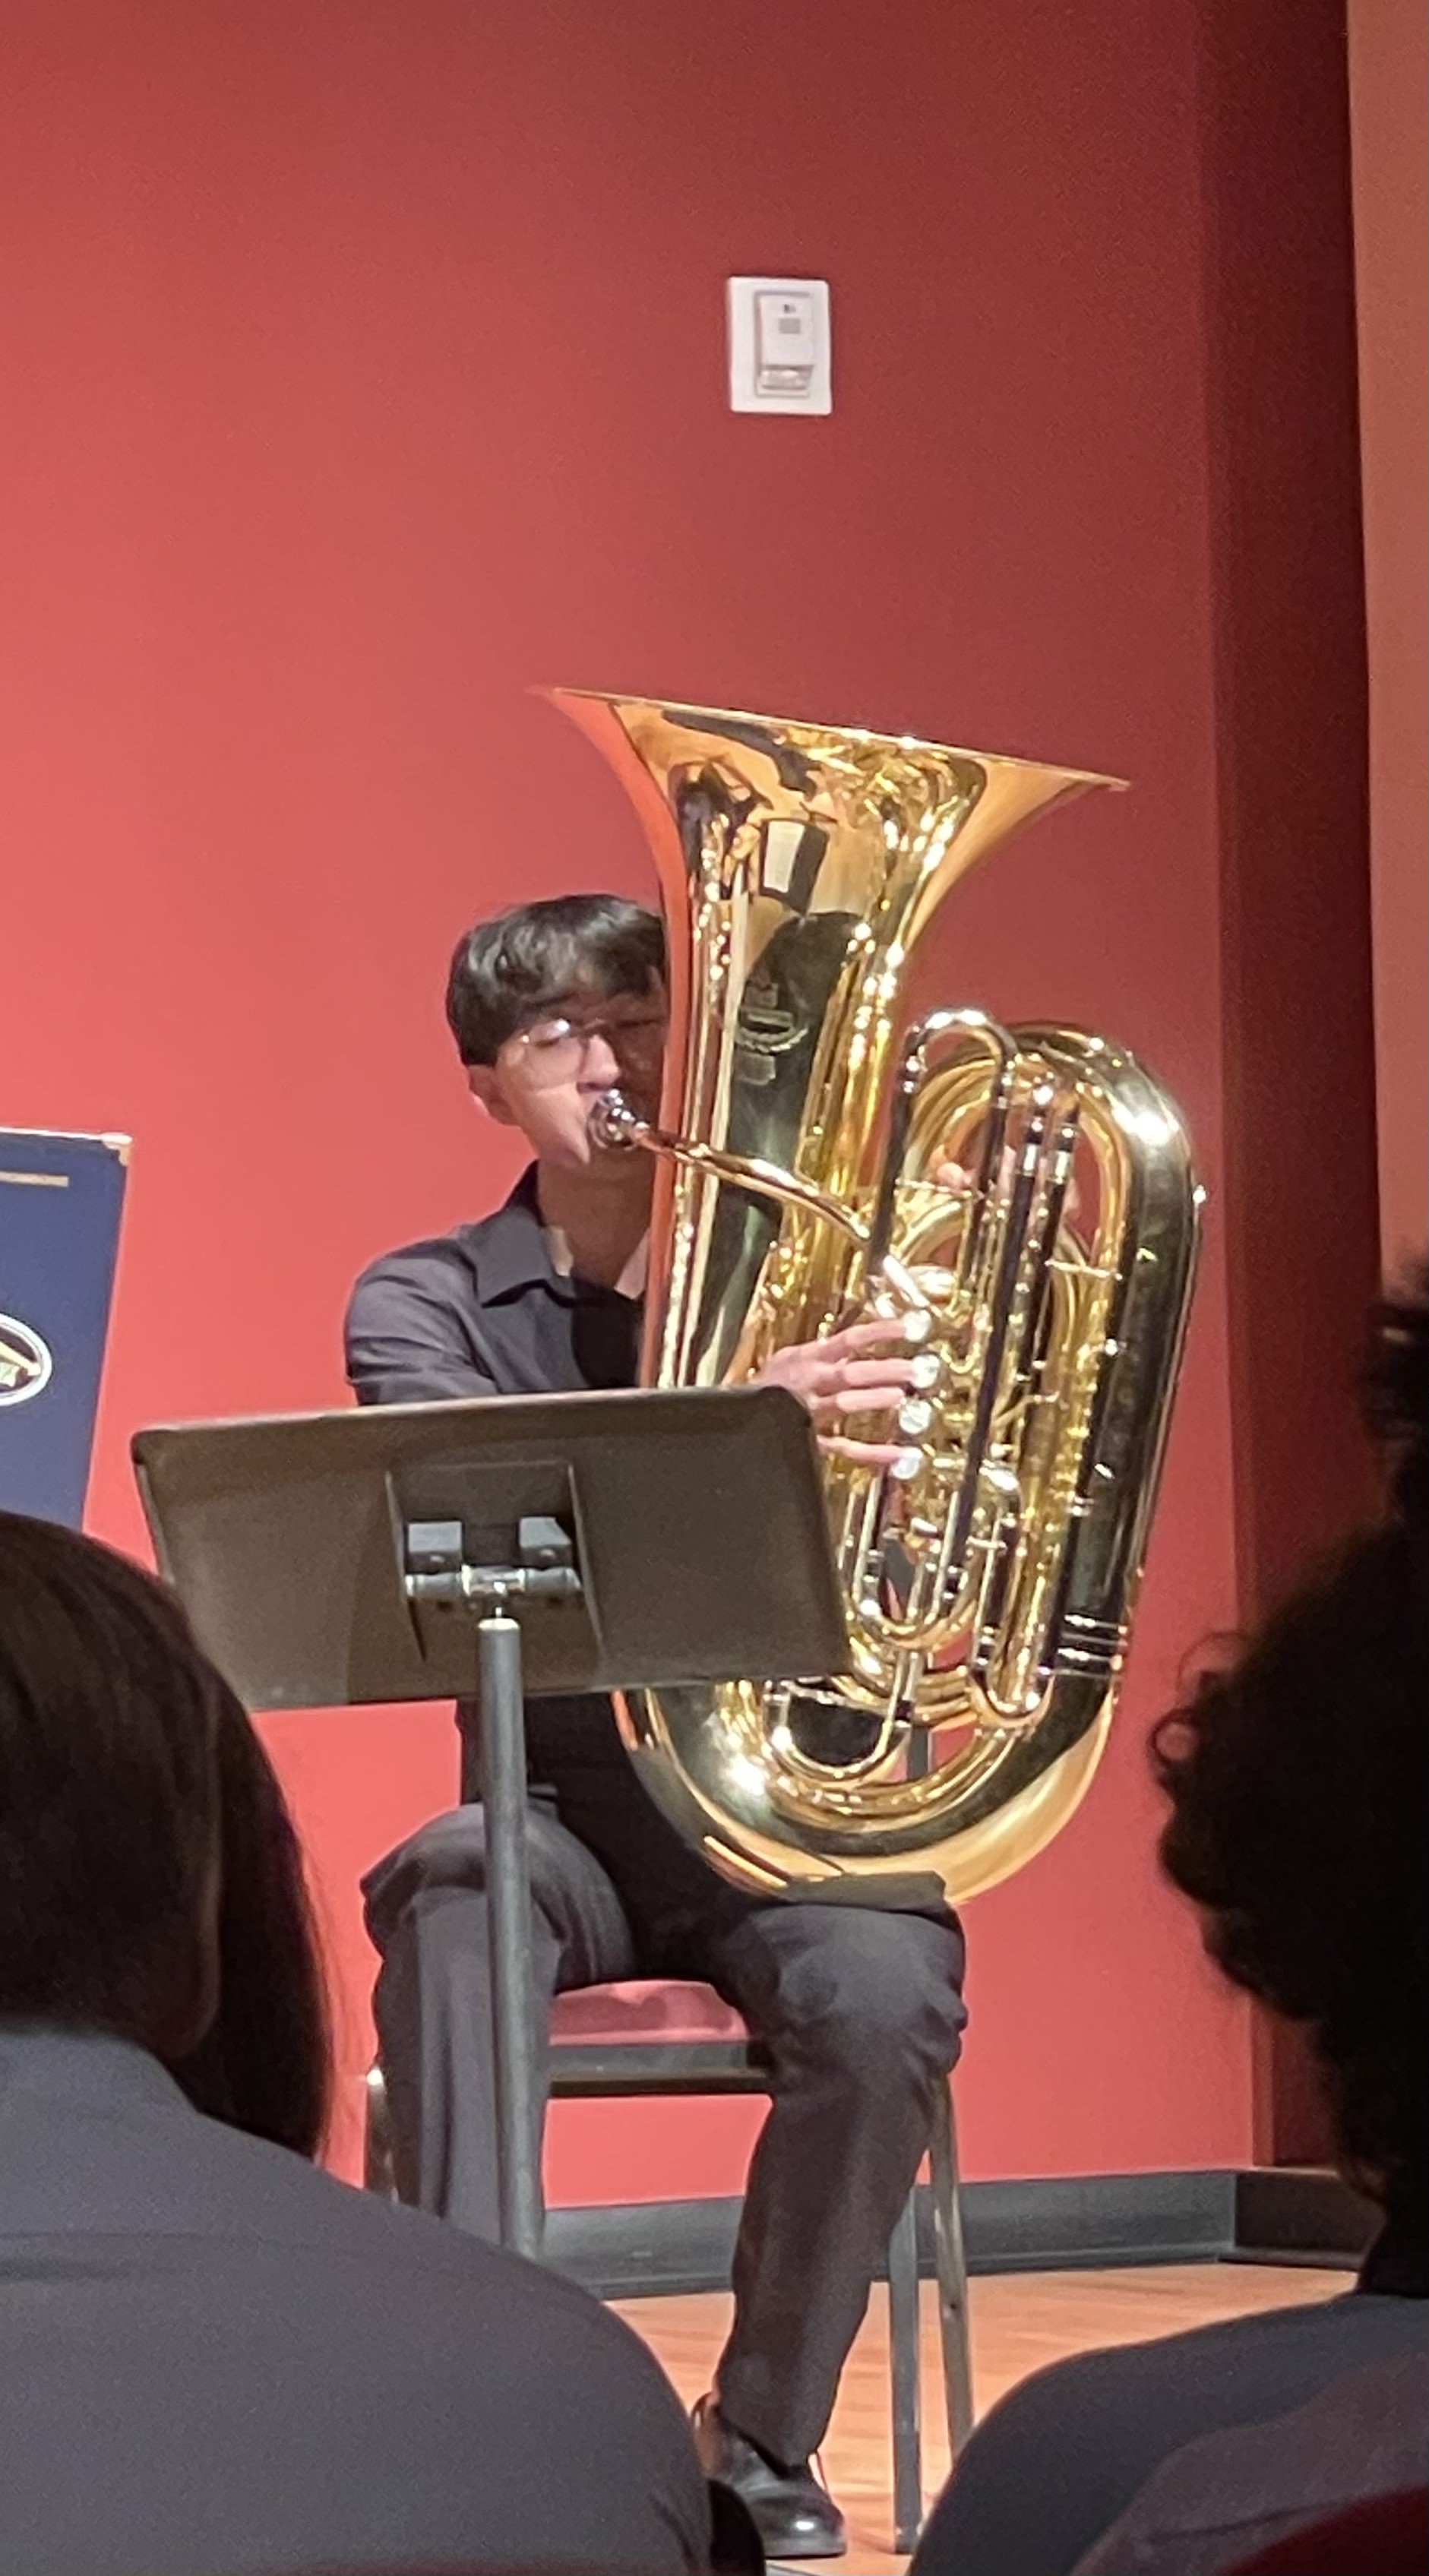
[(552, 1006)]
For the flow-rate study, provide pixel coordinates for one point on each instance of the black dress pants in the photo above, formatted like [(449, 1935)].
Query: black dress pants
[(861, 2013)]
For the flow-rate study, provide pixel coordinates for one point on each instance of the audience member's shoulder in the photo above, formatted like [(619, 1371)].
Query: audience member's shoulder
[(1060, 2456), (247, 2180), (1272, 2348), (1228, 2493), (410, 2260)]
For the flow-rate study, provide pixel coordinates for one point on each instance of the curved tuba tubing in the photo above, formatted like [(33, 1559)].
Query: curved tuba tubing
[(804, 1152)]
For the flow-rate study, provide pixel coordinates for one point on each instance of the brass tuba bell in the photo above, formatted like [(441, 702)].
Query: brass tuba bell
[(989, 1582)]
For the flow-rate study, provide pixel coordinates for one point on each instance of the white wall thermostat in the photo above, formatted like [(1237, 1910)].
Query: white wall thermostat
[(779, 345)]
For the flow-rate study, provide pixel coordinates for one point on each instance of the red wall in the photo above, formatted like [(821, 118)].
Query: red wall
[(1291, 752), (365, 366), (1389, 74)]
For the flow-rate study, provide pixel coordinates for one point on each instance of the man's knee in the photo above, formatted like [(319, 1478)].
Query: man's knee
[(445, 1860), (872, 1992)]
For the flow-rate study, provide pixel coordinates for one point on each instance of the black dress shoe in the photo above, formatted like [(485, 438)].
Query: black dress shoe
[(793, 2514)]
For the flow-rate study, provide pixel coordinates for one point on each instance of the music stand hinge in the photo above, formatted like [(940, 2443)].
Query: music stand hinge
[(437, 1569)]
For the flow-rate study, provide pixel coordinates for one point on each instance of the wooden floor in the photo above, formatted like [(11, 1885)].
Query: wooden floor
[(1019, 2321)]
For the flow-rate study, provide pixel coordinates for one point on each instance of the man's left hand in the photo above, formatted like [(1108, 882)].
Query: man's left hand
[(864, 1369)]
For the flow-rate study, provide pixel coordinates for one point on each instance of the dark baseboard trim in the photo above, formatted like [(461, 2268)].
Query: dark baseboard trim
[(644, 2249)]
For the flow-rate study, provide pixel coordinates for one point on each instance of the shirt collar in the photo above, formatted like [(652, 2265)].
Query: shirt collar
[(517, 1253), (516, 1250)]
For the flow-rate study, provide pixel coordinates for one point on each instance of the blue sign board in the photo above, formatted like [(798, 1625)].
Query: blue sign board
[(61, 1199)]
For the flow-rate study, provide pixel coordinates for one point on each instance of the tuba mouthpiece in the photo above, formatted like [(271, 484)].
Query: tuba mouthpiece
[(613, 1122)]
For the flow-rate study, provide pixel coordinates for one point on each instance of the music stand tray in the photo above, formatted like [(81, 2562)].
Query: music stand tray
[(592, 1542)]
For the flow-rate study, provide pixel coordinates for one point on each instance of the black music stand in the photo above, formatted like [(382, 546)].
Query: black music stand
[(596, 1542)]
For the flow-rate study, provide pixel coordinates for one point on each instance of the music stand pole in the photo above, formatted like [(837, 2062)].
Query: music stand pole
[(508, 1896), (541, 1569)]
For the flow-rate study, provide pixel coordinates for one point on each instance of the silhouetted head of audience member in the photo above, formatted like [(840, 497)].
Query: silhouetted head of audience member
[(150, 1880), (1299, 1787)]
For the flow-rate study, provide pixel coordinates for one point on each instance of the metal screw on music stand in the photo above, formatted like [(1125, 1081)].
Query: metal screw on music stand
[(437, 1573)]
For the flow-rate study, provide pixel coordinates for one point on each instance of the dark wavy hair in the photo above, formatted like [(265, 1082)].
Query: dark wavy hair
[(132, 1783), (525, 960), (1298, 1776)]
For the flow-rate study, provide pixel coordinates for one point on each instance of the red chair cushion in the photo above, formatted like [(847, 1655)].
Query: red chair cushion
[(1383, 2536), (648, 2009)]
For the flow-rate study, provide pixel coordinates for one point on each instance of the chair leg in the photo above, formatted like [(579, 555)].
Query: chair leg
[(377, 2138), (952, 2270), (904, 2373)]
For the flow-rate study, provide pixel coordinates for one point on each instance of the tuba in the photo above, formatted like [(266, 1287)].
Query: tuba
[(1019, 1202)]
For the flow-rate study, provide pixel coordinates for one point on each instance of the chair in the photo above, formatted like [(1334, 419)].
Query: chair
[(664, 2037)]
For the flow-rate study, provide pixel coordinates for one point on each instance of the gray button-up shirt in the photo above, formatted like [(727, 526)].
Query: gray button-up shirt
[(217, 2359)]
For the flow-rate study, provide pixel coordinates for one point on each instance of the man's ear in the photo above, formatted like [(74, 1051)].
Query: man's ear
[(484, 1083)]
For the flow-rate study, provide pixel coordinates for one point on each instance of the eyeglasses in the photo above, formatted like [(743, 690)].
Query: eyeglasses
[(555, 1050)]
